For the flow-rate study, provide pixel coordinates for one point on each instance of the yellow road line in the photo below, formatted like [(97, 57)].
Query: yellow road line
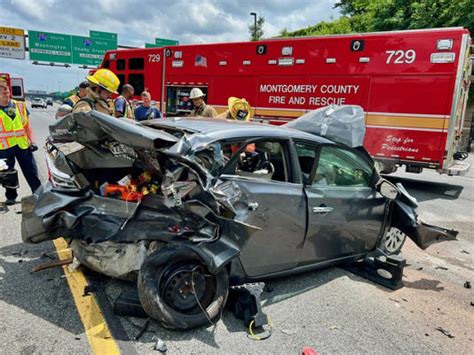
[(98, 333)]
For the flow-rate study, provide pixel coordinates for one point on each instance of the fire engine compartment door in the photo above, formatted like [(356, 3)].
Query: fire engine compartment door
[(178, 102), (460, 99)]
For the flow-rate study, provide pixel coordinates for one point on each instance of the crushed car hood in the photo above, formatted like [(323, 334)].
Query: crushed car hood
[(186, 209), (94, 126)]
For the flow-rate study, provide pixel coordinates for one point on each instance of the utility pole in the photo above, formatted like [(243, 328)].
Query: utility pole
[(254, 14)]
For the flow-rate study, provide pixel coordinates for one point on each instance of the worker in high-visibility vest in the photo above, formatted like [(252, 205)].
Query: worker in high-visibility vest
[(16, 140), (123, 107), (73, 99)]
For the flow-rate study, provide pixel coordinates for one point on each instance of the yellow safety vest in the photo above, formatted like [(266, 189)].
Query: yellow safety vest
[(12, 131), (128, 112)]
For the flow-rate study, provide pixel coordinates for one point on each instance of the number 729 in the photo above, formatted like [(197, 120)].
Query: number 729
[(400, 57)]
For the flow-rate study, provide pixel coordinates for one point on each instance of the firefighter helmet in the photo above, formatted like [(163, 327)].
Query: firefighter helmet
[(196, 93), (105, 79), (239, 109)]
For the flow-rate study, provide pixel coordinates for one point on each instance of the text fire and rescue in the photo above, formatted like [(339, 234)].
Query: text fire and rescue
[(308, 89)]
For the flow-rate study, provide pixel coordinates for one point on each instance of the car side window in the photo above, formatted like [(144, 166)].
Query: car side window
[(342, 167), (306, 156), (260, 159)]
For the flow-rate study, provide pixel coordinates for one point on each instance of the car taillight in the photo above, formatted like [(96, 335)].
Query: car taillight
[(58, 178)]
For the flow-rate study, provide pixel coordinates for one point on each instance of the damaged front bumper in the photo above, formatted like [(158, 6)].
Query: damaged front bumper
[(405, 218)]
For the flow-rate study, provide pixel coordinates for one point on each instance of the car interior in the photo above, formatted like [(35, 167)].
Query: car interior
[(272, 155)]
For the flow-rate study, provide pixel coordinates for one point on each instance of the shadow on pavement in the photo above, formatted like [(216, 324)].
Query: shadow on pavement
[(424, 284), (43, 294), (428, 190)]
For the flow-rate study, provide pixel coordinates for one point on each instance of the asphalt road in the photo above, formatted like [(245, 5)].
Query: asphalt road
[(330, 310)]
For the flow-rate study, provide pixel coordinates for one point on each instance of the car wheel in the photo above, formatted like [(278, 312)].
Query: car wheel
[(393, 240), (176, 288)]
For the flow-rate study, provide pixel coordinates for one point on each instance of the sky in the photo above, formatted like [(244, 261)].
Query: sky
[(137, 22)]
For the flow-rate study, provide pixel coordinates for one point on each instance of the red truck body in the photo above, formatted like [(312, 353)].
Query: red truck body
[(412, 85)]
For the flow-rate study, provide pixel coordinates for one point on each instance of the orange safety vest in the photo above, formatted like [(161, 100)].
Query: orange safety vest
[(12, 131)]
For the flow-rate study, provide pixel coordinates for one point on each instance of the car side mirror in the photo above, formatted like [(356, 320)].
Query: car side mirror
[(387, 190)]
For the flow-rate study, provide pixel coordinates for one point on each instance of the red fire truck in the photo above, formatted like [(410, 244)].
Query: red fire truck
[(16, 86), (412, 85)]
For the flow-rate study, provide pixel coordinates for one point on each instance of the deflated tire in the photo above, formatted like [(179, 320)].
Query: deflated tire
[(176, 288)]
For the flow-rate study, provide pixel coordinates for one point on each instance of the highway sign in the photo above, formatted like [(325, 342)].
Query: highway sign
[(152, 45), (90, 51), (109, 36), (163, 42), (12, 43), (50, 47)]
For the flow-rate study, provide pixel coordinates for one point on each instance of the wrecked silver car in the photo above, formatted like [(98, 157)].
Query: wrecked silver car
[(193, 206)]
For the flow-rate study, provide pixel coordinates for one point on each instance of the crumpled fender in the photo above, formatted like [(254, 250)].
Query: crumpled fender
[(405, 218), (216, 254)]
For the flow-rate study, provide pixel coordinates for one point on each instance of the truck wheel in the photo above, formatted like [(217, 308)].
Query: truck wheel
[(176, 288), (393, 240)]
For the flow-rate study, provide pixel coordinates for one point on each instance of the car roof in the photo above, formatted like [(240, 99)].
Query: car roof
[(212, 129)]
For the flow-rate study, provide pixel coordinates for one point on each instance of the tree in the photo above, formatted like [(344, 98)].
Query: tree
[(390, 15), (257, 33)]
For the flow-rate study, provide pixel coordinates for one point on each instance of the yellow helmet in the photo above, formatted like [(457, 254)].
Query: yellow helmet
[(239, 109), (105, 79)]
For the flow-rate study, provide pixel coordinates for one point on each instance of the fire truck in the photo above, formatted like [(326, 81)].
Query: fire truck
[(16, 86), (412, 85)]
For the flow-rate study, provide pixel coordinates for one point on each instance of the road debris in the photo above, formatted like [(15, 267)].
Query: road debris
[(420, 268), (465, 252), (88, 290), (467, 284), (333, 327), (441, 268), (160, 346), (445, 332), (51, 264), (288, 331)]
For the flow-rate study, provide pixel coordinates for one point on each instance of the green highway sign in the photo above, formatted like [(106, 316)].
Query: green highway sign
[(50, 47), (163, 42), (152, 45), (112, 37), (90, 51)]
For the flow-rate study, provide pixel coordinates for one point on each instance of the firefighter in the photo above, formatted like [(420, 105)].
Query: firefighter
[(200, 108), (16, 141), (122, 105), (102, 84), (73, 99), (238, 109)]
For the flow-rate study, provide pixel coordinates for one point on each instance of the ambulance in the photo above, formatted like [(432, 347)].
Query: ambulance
[(412, 85)]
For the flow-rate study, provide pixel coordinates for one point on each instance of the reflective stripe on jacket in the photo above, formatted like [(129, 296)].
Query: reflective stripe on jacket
[(73, 98), (128, 112), (12, 131)]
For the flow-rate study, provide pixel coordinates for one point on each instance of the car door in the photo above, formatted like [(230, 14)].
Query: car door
[(345, 212), (273, 203)]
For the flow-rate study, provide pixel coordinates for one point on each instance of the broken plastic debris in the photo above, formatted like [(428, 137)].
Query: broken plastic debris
[(467, 284), (74, 265), (445, 332), (126, 180), (160, 346)]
